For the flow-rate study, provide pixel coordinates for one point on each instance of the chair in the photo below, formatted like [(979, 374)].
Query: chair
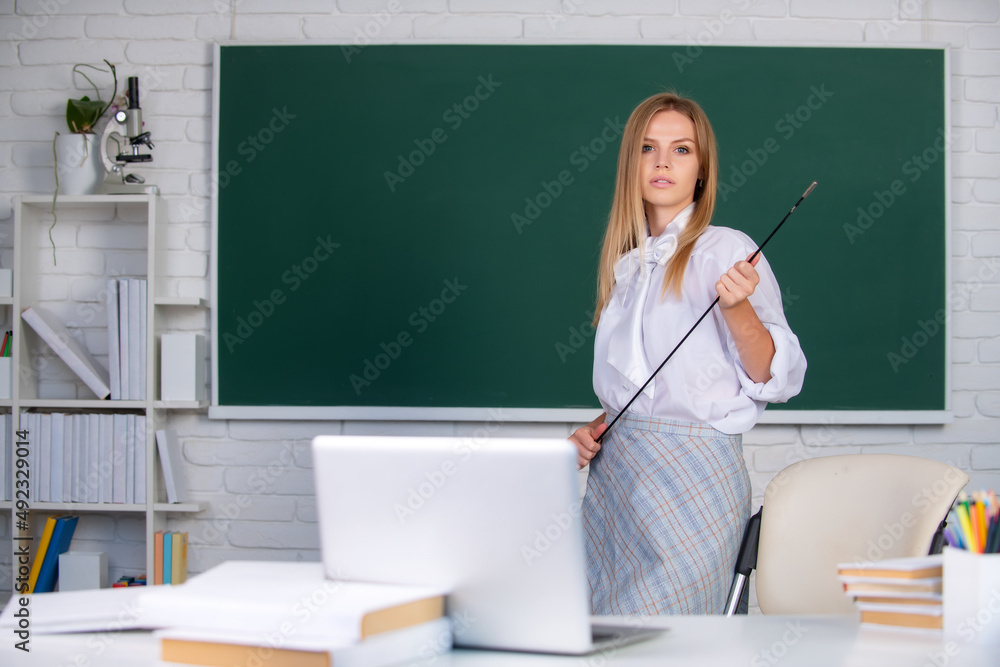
[(838, 509)]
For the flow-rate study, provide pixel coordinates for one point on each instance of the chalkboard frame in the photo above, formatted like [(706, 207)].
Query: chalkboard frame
[(529, 414)]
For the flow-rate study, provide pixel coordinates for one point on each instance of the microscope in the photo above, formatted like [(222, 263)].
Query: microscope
[(121, 146)]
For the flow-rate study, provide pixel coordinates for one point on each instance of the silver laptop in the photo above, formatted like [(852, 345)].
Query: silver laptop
[(497, 521)]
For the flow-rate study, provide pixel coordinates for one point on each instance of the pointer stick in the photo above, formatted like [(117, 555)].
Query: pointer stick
[(703, 316)]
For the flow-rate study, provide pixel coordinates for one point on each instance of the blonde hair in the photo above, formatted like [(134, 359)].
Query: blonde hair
[(627, 220)]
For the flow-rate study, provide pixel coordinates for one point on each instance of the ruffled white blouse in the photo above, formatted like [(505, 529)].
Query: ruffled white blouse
[(704, 382)]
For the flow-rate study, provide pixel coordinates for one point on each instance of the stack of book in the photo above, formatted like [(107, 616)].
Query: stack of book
[(269, 614), (55, 540), (900, 592), (127, 338), (170, 550), (86, 458)]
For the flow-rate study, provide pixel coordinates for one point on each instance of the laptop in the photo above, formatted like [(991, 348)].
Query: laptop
[(496, 521)]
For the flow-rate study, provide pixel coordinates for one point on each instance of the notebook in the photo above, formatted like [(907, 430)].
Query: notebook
[(496, 521)]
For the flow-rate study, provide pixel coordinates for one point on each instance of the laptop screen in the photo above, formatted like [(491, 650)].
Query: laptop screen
[(496, 521)]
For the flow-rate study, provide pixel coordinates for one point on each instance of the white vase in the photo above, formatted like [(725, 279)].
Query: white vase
[(78, 163)]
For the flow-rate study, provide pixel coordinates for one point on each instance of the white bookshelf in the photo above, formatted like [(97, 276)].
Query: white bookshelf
[(32, 250)]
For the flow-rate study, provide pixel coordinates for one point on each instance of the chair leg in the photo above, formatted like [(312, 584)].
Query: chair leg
[(746, 561)]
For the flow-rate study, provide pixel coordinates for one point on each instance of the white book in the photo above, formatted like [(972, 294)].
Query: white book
[(114, 353), (170, 462), (58, 459), (123, 340), (80, 461), (68, 455), (43, 476), (142, 339), (220, 599), (69, 349), (93, 458), (8, 451), (5, 456), (120, 431), (140, 458), (105, 438), (416, 644), (129, 458), (134, 337), (24, 425)]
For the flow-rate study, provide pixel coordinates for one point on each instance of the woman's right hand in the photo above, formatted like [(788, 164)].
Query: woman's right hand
[(585, 439)]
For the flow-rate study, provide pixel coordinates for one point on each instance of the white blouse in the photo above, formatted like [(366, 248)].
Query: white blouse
[(704, 382)]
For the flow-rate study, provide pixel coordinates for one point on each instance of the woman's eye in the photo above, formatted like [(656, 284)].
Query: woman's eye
[(683, 149), (646, 148)]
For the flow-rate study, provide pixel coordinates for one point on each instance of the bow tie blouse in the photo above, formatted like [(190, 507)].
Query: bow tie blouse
[(704, 382)]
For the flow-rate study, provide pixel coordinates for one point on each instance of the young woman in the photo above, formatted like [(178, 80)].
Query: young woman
[(668, 494)]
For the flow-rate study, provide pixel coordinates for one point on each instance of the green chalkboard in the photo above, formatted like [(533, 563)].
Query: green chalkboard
[(419, 225)]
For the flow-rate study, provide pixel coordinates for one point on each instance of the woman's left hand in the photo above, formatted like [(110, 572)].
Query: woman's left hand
[(737, 283)]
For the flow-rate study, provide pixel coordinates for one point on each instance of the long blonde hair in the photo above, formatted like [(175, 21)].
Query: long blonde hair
[(627, 220)]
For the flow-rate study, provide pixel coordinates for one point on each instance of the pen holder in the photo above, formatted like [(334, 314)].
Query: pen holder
[(971, 597)]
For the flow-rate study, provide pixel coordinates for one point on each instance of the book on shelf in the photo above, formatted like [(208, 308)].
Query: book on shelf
[(178, 561), (126, 307), (43, 545), (227, 648), (81, 458), (62, 534), (170, 462), (158, 557), (168, 557), (68, 348), (114, 352)]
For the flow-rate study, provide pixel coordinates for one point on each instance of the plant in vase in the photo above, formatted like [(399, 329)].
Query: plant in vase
[(77, 155)]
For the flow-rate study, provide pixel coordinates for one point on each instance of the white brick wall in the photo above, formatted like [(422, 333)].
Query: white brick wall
[(256, 476)]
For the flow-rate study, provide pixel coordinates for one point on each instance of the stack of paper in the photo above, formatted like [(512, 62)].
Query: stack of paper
[(901, 592)]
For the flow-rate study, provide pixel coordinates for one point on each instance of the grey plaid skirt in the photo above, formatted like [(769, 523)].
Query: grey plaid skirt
[(666, 506)]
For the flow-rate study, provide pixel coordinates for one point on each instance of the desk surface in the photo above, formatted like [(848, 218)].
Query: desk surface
[(704, 641)]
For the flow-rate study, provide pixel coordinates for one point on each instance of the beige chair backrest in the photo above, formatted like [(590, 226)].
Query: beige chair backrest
[(839, 509)]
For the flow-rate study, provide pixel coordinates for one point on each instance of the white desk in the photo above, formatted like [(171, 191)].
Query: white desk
[(701, 641)]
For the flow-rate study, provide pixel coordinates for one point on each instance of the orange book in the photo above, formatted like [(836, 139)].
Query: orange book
[(902, 620), (158, 558)]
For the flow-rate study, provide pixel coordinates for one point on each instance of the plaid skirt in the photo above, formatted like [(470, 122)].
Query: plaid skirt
[(666, 506)]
